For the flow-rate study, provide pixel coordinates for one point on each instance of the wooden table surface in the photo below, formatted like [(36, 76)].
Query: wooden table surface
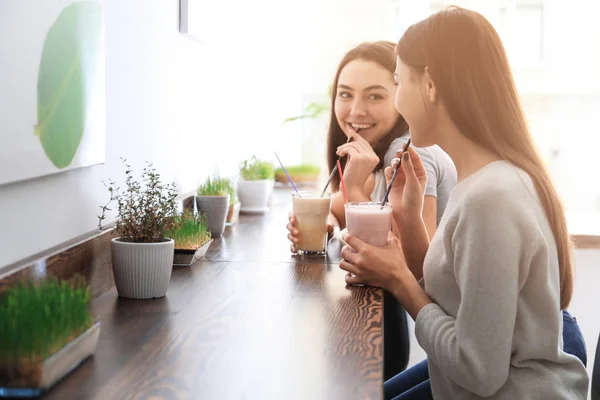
[(250, 321)]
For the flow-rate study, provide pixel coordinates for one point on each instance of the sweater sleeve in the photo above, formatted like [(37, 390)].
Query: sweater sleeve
[(492, 247)]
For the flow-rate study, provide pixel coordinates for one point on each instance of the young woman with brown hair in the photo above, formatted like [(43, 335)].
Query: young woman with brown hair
[(363, 100)]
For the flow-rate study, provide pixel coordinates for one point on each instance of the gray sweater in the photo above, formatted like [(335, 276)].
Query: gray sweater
[(495, 327)]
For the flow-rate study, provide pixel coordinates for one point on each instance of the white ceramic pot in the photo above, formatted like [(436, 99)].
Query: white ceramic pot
[(142, 270), (254, 195)]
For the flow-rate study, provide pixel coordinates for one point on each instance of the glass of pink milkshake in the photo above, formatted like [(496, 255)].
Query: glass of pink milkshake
[(369, 222)]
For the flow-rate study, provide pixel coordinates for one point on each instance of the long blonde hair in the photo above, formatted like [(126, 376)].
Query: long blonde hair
[(467, 61)]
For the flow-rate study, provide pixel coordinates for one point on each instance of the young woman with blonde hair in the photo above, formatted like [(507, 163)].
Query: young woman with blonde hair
[(487, 291)]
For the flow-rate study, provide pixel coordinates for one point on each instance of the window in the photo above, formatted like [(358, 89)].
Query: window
[(554, 50)]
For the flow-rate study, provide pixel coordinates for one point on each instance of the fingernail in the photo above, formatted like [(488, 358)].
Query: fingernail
[(405, 157)]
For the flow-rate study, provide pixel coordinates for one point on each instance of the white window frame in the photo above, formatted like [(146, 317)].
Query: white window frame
[(510, 37)]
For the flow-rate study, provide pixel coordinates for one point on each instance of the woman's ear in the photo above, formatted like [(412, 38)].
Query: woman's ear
[(430, 89)]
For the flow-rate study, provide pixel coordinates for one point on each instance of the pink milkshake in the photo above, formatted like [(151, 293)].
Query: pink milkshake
[(369, 222)]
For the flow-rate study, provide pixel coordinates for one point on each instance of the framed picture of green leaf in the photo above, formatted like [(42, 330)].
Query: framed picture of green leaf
[(52, 87)]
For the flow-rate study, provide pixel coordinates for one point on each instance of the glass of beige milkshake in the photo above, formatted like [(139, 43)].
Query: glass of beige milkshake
[(311, 210)]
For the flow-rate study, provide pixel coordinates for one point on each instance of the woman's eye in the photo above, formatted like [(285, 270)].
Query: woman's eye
[(344, 95), (375, 97)]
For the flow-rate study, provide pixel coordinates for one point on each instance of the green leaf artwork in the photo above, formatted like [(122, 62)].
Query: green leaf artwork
[(66, 78)]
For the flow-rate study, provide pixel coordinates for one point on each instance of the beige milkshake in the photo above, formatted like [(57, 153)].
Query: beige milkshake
[(311, 212)]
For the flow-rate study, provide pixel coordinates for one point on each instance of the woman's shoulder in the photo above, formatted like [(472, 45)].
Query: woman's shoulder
[(394, 147), (433, 156), (441, 158), (497, 184)]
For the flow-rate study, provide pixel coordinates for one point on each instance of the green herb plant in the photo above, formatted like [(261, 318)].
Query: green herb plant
[(233, 197), (314, 109), (255, 169), (214, 186), (190, 231), (302, 169), (36, 320), (146, 209)]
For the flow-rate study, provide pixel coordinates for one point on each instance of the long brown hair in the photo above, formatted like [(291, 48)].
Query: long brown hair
[(382, 53), (467, 61)]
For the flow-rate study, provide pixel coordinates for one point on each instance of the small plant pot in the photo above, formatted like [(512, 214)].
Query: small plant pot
[(186, 258), (233, 213), (43, 376), (215, 208), (254, 195), (142, 270)]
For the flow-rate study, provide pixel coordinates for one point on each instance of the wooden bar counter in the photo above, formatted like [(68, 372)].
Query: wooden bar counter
[(249, 321)]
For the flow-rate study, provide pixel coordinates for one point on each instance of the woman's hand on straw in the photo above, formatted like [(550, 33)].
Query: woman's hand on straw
[(408, 189), (294, 232), (361, 162)]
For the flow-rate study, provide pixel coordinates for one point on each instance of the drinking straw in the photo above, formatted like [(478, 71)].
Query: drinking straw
[(387, 192), (288, 175), (334, 168), (339, 167)]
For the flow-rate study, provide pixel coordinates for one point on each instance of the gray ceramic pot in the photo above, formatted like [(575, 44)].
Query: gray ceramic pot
[(216, 209), (142, 270)]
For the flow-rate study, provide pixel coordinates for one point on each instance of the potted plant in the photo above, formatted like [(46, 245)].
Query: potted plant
[(46, 331), (303, 173), (255, 185), (234, 204), (213, 200), (191, 236), (142, 255)]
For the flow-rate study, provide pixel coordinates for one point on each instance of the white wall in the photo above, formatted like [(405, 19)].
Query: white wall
[(171, 101)]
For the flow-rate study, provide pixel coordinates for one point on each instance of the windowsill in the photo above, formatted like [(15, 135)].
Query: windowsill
[(584, 223)]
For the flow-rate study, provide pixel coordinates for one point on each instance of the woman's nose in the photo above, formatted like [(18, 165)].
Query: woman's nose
[(358, 109)]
